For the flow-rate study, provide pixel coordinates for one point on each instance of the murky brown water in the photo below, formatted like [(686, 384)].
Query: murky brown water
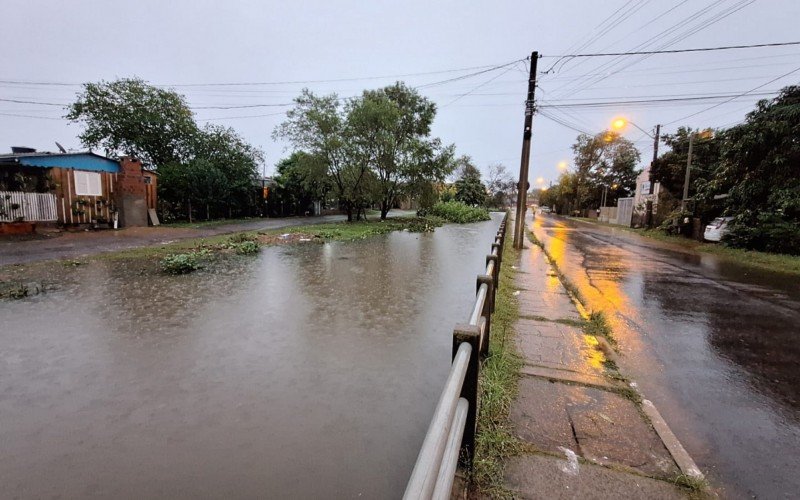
[(305, 372), (714, 344)]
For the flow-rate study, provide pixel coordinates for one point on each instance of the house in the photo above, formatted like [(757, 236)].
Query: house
[(74, 188), (646, 191)]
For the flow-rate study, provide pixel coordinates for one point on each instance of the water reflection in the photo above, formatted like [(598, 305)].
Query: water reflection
[(307, 371), (714, 344)]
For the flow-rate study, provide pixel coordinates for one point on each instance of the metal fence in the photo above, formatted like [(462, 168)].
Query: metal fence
[(33, 207), (451, 433)]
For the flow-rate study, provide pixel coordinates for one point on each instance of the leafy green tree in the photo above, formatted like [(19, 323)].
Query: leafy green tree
[(469, 188), (670, 168), (236, 159), (560, 196), (604, 161), (760, 172), (134, 118), (320, 127), (301, 180), (391, 127)]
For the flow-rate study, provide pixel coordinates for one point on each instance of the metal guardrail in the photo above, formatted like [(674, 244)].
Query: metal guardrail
[(451, 433)]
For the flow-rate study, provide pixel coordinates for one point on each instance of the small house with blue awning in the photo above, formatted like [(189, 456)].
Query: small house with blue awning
[(74, 188)]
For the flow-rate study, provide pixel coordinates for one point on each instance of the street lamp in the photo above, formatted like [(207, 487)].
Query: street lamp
[(562, 165), (620, 123)]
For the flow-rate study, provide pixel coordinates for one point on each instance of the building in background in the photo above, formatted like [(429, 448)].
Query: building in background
[(73, 189)]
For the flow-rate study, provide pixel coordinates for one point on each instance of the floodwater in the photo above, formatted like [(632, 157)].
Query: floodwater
[(307, 371), (715, 345)]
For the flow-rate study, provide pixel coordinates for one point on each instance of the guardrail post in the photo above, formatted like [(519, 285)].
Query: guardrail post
[(495, 275), (469, 390), (486, 313)]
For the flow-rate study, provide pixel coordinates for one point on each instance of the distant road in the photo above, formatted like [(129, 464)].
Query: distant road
[(70, 245), (713, 343)]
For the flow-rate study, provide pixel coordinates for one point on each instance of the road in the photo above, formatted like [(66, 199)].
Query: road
[(715, 345), (71, 245)]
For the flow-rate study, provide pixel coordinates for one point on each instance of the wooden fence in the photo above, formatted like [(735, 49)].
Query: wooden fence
[(31, 207)]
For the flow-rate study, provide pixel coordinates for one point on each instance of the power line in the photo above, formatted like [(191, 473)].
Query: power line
[(749, 92), (650, 101), (676, 51)]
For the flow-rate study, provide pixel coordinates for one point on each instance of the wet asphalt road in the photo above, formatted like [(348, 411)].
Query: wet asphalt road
[(713, 344)]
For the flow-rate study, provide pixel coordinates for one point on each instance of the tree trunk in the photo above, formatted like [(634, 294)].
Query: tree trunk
[(384, 209), (189, 203), (349, 210), (208, 212)]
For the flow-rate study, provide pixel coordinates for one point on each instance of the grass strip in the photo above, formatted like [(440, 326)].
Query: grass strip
[(789, 264), (499, 375)]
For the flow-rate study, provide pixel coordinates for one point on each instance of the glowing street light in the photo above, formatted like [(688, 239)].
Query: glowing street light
[(619, 123), (540, 180), (562, 165)]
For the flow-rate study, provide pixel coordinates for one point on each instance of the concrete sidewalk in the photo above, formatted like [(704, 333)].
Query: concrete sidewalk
[(585, 434)]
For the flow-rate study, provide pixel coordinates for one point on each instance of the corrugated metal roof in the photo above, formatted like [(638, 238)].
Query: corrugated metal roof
[(78, 161)]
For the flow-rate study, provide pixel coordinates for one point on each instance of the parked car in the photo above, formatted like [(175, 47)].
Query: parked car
[(544, 210), (717, 229)]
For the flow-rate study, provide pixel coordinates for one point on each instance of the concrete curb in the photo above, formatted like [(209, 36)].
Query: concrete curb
[(682, 458), (676, 449)]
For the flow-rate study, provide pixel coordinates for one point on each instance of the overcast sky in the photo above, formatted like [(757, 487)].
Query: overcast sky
[(206, 42)]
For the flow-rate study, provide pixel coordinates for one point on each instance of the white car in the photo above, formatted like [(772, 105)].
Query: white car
[(717, 229), (544, 210)]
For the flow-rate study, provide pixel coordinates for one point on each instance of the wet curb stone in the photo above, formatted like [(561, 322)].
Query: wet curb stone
[(568, 407)]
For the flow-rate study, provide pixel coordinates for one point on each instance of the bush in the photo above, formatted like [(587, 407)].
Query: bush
[(246, 247), (454, 211), (242, 237), (764, 232), (183, 263)]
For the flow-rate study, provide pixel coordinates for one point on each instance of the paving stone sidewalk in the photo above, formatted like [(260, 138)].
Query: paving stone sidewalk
[(590, 439)]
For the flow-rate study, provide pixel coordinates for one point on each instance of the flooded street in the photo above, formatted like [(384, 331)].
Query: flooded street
[(306, 371), (713, 344)]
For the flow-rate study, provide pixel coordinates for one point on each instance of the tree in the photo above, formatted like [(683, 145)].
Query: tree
[(232, 156), (469, 188), (606, 161), (759, 170), (134, 118), (669, 169), (318, 126), (390, 128), (195, 184), (301, 180), (501, 185)]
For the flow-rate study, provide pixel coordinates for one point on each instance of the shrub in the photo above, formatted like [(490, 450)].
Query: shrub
[(765, 232), (183, 263), (242, 237), (246, 247), (454, 211)]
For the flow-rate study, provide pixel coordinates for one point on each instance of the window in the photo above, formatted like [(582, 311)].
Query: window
[(88, 184)]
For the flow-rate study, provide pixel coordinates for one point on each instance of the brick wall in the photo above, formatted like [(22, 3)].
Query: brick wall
[(131, 193)]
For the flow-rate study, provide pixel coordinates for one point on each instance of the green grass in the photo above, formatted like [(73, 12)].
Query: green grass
[(455, 211), (208, 223), (789, 264), (349, 231), (499, 375), (597, 325)]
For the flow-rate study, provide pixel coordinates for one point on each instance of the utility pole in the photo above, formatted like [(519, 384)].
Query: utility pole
[(655, 152), (522, 191), (688, 170)]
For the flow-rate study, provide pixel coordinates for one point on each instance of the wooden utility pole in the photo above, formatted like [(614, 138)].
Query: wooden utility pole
[(522, 187), (688, 173)]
